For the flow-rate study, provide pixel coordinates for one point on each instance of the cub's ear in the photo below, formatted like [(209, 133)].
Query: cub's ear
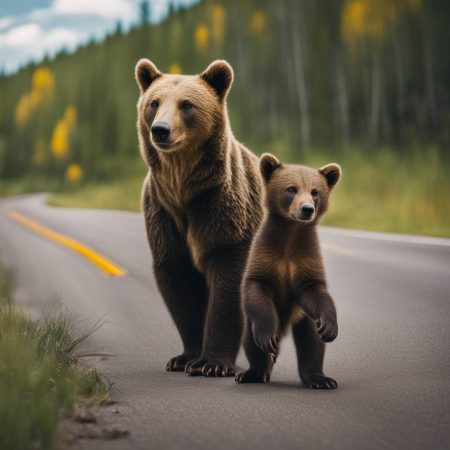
[(146, 73), (332, 173), (219, 75), (267, 165)]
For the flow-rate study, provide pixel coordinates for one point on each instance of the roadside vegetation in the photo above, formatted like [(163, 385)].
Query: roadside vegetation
[(312, 77), (379, 191), (41, 375)]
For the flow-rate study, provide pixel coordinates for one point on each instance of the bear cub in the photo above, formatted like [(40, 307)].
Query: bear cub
[(284, 283)]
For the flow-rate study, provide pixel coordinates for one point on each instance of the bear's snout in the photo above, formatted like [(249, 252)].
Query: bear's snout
[(161, 131), (306, 211)]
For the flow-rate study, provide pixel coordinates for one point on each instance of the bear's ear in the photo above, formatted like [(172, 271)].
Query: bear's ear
[(146, 73), (332, 173), (219, 75), (267, 165)]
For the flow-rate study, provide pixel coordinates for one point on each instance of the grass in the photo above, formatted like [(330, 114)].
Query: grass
[(382, 190), (121, 194), (41, 376), (386, 192)]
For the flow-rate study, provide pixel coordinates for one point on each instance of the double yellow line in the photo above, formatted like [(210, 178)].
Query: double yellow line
[(102, 262)]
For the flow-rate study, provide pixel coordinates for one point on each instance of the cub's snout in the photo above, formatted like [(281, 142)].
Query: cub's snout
[(306, 211)]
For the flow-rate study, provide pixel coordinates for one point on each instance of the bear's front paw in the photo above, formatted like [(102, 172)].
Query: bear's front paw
[(178, 363), (319, 381), (210, 368), (327, 328), (252, 376)]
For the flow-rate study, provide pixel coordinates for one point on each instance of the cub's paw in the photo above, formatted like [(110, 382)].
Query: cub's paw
[(178, 363), (319, 382), (252, 376), (210, 368), (327, 328), (266, 340)]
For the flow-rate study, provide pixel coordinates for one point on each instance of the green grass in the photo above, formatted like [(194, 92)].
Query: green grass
[(124, 193), (41, 376), (383, 191)]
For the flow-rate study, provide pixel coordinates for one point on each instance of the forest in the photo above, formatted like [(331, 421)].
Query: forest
[(360, 81)]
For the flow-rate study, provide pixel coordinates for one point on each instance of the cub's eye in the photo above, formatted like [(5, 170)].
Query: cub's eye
[(315, 193), (154, 104), (186, 106), (292, 189)]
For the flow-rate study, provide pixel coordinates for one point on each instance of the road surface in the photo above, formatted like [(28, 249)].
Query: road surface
[(391, 358)]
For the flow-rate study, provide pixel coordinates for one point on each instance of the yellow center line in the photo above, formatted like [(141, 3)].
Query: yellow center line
[(104, 264)]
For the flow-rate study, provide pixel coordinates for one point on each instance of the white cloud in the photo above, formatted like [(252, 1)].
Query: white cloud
[(5, 22), (103, 8), (66, 24), (31, 42)]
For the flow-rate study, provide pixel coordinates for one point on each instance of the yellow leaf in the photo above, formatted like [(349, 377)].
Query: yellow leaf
[(175, 69), (257, 22), (201, 37), (74, 173), (60, 140), (70, 116)]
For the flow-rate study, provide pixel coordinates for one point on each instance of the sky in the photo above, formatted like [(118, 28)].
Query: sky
[(29, 29)]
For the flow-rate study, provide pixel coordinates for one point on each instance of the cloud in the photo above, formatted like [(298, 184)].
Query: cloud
[(5, 22), (31, 42), (103, 8), (109, 10), (26, 37), (63, 24)]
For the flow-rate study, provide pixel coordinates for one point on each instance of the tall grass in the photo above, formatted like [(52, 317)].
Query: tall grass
[(382, 190), (40, 376), (407, 193)]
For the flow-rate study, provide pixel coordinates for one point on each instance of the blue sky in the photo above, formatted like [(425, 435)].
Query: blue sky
[(31, 28)]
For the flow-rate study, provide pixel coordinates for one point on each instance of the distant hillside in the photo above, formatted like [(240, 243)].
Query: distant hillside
[(309, 74)]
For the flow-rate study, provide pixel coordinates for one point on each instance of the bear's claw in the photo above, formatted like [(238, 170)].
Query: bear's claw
[(209, 368), (320, 382), (252, 376), (178, 363)]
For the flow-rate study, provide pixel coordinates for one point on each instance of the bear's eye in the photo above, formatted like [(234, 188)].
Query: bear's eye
[(292, 189), (315, 193), (186, 106), (154, 104)]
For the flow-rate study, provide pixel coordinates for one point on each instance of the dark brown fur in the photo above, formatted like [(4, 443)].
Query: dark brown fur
[(284, 283), (202, 205)]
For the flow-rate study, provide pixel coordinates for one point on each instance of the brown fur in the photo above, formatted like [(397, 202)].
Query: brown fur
[(202, 206), (284, 283)]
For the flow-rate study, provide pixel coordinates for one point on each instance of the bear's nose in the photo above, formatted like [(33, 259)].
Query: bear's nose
[(161, 131), (306, 211)]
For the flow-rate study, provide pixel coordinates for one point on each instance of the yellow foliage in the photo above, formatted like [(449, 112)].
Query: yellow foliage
[(353, 21), (42, 90), (74, 173), (70, 116), (371, 19), (175, 69), (201, 37), (60, 140), (39, 153), (257, 23), (23, 110), (218, 23), (43, 82), (60, 143)]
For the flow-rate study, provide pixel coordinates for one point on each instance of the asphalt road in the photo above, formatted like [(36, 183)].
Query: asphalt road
[(391, 358)]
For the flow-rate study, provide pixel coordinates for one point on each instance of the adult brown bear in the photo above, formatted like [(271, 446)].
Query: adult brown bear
[(202, 204)]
